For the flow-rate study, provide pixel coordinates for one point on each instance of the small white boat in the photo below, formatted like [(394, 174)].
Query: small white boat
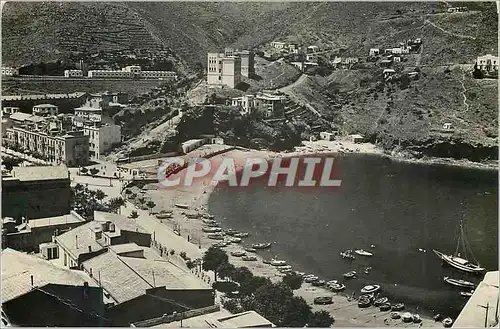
[(238, 253), (182, 206), (211, 229), (250, 249), (249, 258), (332, 282), (416, 318), (370, 289), (459, 283), (362, 252), (261, 245), (235, 240), (467, 293), (216, 236), (275, 262), (350, 275), (447, 322), (336, 287), (407, 317), (241, 235)]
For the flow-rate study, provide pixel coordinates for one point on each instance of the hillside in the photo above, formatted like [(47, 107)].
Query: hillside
[(396, 117)]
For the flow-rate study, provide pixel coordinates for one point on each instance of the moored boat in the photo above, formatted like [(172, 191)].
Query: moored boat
[(456, 260), (398, 307), (466, 293), (395, 315), (249, 258), (211, 229), (182, 206), (364, 302), (447, 322), (318, 283), (275, 262), (362, 252), (407, 317), (250, 249), (241, 235), (370, 289), (235, 240), (216, 236), (385, 307), (261, 245), (336, 287), (459, 283), (238, 253), (380, 301), (350, 275), (416, 318), (347, 254)]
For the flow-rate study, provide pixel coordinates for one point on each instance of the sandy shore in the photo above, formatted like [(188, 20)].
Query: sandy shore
[(345, 311)]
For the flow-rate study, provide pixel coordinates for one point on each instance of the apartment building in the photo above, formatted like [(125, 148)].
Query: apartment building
[(73, 73), (91, 114), (266, 103), (223, 70), (247, 63), (102, 137), (45, 110), (488, 63), (131, 71), (9, 71), (70, 148)]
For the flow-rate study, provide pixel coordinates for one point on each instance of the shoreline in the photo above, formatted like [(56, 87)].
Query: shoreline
[(196, 198)]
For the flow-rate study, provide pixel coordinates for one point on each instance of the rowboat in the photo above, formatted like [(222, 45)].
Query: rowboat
[(261, 245), (249, 258), (370, 289), (336, 287), (362, 252), (238, 253), (459, 283), (385, 307), (350, 275), (398, 307), (466, 293), (216, 236), (407, 317), (275, 262), (182, 206), (241, 235), (250, 249), (211, 229), (235, 240), (447, 322), (380, 301)]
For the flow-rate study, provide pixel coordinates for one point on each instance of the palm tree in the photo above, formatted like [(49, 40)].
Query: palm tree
[(142, 201), (150, 205), (84, 170), (100, 195)]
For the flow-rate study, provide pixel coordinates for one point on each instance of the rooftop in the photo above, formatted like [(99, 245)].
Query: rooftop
[(43, 96), (125, 278), (78, 240), (473, 314), (50, 221), (222, 319), (126, 247), (89, 109), (40, 173), (18, 267), (45, 106)]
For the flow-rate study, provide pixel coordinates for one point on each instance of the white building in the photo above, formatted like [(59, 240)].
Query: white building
[(158, 75), (9, 71), (299, 65), (388, 73), (102, 137), (487, 63), (312, 49), (312, 58), (374, 51), (327, 136), (247, 63), (191, 145), (73, 73), (89, 113), (278, 45), (245, 103), (45, 110), (223, 70), (109, 74)]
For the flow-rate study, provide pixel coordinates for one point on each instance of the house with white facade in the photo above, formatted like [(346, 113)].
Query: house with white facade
[(102, 137), (374, 51), (223, 70), (487, 63), (45, 110), (9, 71)]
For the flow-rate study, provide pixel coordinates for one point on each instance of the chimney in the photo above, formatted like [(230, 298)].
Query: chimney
[(85, 290), (32, 285)]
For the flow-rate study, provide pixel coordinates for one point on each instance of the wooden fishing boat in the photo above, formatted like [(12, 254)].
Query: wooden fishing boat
[(385, 307), (380, 301), (238, 253), (241, 235), (398, 307), (264, 245), (250, 249), (350, 275), (457, 260), (235, 240), (362, 252), (370, 289), (249, 258), (459, 283), (182, 206)]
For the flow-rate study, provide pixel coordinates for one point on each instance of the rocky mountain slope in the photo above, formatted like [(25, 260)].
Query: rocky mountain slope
[(409, 118)]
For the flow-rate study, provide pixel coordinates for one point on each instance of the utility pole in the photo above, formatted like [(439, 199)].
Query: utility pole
[(486, 316)]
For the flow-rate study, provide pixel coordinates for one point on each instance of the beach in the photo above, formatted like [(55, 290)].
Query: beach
[(195, 198)]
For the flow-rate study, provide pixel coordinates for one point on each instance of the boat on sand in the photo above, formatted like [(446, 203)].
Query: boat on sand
[(362, 252), (264, 245)]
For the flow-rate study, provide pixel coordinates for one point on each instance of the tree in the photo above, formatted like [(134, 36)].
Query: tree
[(320, 319), (241, 275), (94, 171), (249, 287), (134, 214), (296, 313), (172, 252), (226, 270), (477, 73), (293, 281), (115, 204), (142, 201), (100, 195), (84, 170), (271, 301), (150, 204), (213, 259)]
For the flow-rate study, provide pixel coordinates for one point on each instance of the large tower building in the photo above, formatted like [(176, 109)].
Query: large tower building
[(224, 69), (247, 63)]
